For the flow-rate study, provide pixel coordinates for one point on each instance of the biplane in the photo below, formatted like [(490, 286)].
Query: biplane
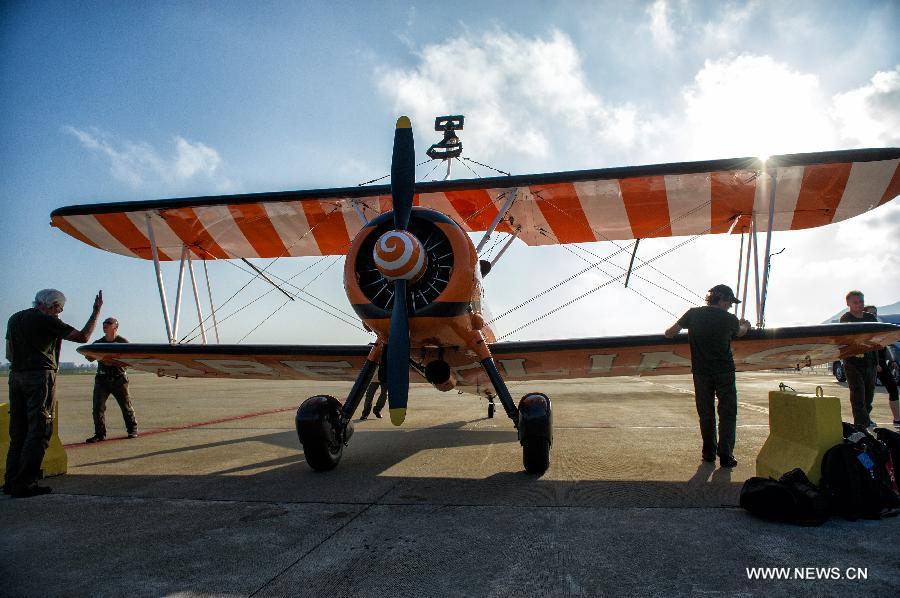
[(413, 276)]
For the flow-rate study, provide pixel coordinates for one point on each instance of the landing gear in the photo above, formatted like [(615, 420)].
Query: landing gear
[(324, 426), (533, 418), (535, 432), (322, 431), (536, 455)]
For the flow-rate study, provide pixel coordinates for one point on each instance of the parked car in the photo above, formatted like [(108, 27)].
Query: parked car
[(837, 367)]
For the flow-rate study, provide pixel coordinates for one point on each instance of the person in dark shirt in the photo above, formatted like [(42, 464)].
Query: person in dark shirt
[(884, 373), (860, 369), (710, 330), (33, 340), (111, 379)]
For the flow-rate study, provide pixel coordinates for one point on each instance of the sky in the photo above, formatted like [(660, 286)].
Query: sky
[(113, 101)]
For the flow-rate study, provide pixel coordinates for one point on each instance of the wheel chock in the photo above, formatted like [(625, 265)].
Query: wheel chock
[(55, 459), (801, 428)]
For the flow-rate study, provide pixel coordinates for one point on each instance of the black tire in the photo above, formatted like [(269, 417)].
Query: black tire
[(491, 408), (838, 369), (319, 431), (536, 455), (322, 455)]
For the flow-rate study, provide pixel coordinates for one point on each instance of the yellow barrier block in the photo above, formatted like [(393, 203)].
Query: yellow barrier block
[(801, 428), (55, 462)]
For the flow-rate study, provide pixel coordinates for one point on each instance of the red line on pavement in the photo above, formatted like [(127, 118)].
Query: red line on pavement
[(187, 426)]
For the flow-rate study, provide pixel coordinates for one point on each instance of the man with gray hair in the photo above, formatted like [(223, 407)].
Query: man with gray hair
[(33, 340), (860, 368)]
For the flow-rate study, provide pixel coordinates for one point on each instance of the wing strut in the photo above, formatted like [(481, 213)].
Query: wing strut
[(196, 297), (506, 245), (754, 247), (184, 252), (747, 268), (769, 178), (159, 279), (510, 198), (212, 308), (740, 266)]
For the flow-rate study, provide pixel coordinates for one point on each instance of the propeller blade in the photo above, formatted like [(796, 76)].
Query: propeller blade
[(403, 173), (397, 369)]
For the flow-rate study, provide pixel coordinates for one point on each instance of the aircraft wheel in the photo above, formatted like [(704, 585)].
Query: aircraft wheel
[(491, 408), (323, 456), (535, 432), (320, 432), (536, 455)]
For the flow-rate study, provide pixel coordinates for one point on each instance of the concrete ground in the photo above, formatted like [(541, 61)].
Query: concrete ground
[(438, 507)]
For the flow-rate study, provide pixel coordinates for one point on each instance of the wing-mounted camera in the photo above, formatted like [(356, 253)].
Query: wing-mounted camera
[(450, 146)]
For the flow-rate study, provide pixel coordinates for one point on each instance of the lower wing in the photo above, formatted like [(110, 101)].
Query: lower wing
[(649, 355), (653, 355)]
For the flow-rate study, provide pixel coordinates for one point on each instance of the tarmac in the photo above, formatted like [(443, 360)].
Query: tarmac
[(214, 499)]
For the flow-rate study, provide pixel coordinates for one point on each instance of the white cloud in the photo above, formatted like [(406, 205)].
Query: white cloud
[(728, 30), (870, 115), (522, 92), (141, 166), (753, 105), (660, 29)]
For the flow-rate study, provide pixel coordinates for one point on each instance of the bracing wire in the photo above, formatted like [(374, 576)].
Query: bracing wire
[(631, 288), (298, 295), (638, 276), (436, 164), (381, 178), (469, 167), (597, 288), (256, 275), (607, 258), (486, 166), (303, 290)]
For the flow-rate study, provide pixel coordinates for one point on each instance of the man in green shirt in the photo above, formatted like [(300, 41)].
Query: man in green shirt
[(33, 340), (860, 369), (710, 330), (111, 379)]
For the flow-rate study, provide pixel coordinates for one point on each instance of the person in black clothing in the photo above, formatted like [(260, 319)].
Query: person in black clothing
[(33, 340), (111, 379), (710, 330), (860, 369), (380, 380), (884, 373)]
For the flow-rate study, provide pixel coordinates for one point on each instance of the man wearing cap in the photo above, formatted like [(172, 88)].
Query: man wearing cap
[(33, 340), (860, 368), (710, 330), (111, 380)]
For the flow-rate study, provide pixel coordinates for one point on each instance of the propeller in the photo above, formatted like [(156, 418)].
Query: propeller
[(403, 179)]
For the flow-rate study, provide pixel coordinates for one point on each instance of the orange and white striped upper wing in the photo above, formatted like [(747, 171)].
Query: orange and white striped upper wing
[(567, 207)]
